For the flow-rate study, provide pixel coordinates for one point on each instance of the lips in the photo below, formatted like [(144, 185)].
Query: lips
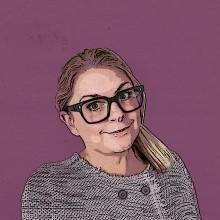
[(120, 130)]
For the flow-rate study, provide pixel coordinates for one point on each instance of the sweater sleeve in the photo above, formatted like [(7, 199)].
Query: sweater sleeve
[(37, 195), (189, 208)]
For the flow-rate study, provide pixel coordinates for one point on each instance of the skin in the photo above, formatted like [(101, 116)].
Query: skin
[(102, 150)]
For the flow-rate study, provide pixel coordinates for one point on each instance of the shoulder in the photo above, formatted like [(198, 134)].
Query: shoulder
[(44, 177), (178, 162), (182, 189), (38, 191), (179, 171)]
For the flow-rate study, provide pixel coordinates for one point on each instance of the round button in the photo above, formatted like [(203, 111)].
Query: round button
[(122, 194), (145, 190)]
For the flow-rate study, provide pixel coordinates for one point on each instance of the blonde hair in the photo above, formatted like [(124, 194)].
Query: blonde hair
[(146, 145)]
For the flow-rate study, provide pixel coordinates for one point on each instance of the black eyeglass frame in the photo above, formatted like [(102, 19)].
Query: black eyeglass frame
[(78, 106)]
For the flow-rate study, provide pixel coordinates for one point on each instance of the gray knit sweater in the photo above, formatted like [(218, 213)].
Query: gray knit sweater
[(74, 189)]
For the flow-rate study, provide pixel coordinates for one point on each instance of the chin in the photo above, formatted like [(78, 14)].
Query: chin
[(120, 142), (123, 145), (120, 149)]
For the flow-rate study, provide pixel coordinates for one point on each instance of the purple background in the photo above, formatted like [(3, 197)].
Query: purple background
[(173, 48)]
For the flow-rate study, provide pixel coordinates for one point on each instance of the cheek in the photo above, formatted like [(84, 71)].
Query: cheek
[(89, 132), (136, 125), (95, 138), (137, 119)]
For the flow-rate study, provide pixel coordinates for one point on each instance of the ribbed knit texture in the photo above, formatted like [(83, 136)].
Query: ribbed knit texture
[(74, 189)]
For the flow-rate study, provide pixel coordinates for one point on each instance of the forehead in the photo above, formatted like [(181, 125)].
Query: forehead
[(98, 80)]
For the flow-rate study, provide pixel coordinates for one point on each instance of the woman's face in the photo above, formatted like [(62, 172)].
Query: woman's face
[(104, 82)]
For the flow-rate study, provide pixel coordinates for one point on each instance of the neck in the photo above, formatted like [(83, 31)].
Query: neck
[(123, 163)]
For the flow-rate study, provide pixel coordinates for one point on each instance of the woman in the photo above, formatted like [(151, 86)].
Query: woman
[(124, 171)]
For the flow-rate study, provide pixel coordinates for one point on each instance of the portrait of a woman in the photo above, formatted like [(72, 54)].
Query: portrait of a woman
[(124, 170)]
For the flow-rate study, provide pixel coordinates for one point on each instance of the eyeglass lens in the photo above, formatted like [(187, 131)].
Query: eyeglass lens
[(97, 110)]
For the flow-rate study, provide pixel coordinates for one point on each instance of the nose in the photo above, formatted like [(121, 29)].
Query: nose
[(116, 113)]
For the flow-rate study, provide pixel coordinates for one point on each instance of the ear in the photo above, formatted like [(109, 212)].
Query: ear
[(69, 121)]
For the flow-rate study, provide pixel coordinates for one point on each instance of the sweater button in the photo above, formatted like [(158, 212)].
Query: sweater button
[(122, 194), (145, 190)]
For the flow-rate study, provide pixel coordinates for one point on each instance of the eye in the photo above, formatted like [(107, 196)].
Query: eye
[(95, 106), (125, 95)]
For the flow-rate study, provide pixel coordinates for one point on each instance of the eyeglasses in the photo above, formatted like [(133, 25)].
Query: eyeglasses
[(97, 109)]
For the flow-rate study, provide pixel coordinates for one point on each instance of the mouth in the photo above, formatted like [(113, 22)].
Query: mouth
[(119, 131)]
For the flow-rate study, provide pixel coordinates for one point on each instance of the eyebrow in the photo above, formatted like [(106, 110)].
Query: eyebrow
[(97, 95)]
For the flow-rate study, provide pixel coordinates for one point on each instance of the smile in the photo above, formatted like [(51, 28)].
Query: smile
[(119, 131)]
